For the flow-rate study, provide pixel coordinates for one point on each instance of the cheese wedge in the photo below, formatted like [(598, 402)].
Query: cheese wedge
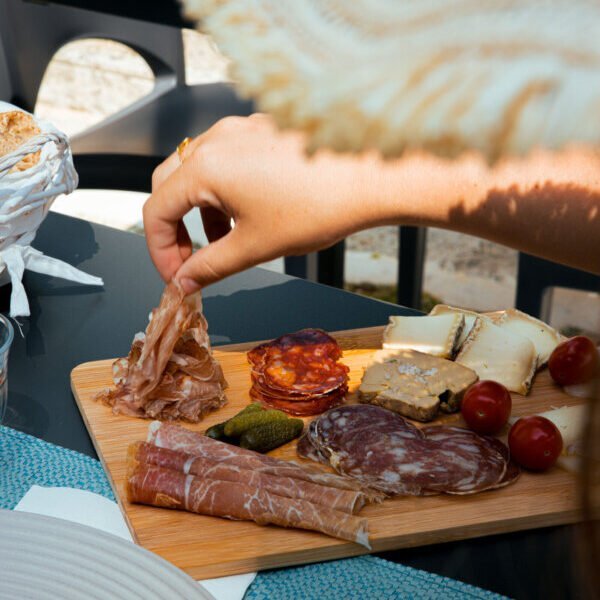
[(544, 337), (414, 384), (469, 315), (500, 355), (436, 335)]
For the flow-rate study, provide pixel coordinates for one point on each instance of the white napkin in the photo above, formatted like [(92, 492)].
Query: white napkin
[(96, 511), (25, 199)]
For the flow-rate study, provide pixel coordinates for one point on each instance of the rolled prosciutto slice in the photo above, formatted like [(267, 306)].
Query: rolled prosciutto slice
[(156, 486), (174, 437), (347, 501)]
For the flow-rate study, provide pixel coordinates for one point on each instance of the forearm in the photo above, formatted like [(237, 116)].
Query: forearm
[(546, 204)]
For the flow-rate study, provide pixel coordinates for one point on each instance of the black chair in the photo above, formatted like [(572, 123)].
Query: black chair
[(121, 151), (536, 277)]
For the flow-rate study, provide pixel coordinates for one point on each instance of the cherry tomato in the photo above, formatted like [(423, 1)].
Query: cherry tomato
[(486, 407), (574, 361), (535, 443)]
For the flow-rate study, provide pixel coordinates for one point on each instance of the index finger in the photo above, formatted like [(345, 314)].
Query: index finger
[(178, 194)]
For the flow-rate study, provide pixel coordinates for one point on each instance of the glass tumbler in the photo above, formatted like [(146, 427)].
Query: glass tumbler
[(6, 338)]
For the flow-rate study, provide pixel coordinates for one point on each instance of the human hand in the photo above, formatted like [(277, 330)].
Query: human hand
[(281, 201)]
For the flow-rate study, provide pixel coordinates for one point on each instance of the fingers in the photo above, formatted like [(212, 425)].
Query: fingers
[(225, 256), (184, 242), (216, 223), (172, 163), (164, 210)]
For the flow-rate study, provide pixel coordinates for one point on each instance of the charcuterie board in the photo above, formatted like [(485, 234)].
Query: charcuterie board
[(212, 547)]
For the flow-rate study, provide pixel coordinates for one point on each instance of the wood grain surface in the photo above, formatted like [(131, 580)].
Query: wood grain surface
[(212, 547)]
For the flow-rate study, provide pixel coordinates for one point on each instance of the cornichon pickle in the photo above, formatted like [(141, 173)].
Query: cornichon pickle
[(269, 436), (242, 422), (217, 432)]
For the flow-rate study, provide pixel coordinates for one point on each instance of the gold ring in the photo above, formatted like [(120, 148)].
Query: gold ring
[(182, 146)]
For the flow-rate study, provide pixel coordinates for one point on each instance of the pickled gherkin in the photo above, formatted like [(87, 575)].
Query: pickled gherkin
[(217, 432), (271, 435), (243, 422)]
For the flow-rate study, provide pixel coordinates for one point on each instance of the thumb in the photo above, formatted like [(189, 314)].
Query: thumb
[(221, 258)]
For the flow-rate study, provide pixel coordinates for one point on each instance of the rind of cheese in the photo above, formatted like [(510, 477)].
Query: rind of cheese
[(500, 355), (543, 337), (437, 335), (570, 421), (469, 315), (411, 383)]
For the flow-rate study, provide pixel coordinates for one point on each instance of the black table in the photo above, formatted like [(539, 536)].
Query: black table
[(71, 324)]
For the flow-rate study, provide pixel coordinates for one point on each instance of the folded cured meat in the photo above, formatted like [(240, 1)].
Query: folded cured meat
[(170, 372), (157, 486), (299, 373), (383, 451), (347, 501), (169, 435)]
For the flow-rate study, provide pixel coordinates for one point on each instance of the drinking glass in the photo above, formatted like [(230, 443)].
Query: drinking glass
[(6, 338)]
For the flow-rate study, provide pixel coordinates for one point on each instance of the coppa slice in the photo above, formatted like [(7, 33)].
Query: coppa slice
[(414, 384)]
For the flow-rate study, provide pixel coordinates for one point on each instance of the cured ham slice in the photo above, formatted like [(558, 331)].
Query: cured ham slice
[(174, 437), (157, 486), (170, 372), (299, 373), (336, 499), (383, 451)]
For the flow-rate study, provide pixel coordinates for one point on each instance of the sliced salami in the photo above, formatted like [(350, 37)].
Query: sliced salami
[(302, 408), (383, 451), (475, 463), (299, 373)]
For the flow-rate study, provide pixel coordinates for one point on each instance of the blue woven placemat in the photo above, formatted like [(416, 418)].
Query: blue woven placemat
[(26, 460)]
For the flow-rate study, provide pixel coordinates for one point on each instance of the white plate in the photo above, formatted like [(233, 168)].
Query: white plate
[(46, 558)]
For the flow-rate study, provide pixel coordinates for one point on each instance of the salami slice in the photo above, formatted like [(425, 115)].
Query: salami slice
[(299, 373), (475, 461), (301, 408), (383, 451), (303, 338)]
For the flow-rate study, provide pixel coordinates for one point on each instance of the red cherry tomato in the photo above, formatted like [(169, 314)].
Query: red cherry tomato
[(535, 443), (574, 361), (486, 407)]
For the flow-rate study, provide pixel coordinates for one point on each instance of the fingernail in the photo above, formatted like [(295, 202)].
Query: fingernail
[(189, 285)]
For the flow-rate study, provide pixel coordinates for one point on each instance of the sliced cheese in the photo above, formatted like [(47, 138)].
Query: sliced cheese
[(414, 384), (500, 355), (437, 335), (469, 315), (543, 337)]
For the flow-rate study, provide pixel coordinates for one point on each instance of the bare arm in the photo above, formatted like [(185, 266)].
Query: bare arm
[(286, 203)]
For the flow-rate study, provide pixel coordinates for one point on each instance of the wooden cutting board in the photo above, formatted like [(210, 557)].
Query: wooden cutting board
[(212, 547)]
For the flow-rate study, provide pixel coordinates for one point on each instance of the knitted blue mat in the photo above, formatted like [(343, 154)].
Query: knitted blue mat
[(26, 460)]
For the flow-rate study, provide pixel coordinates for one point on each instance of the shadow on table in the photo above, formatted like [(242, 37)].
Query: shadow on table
[(76, 244)]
